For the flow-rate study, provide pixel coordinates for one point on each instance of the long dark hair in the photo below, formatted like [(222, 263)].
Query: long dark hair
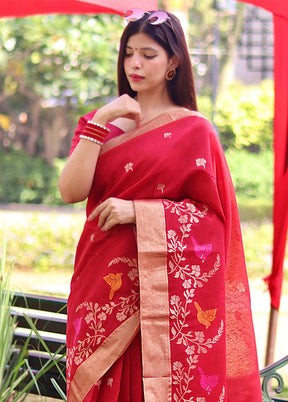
[(181, 89)]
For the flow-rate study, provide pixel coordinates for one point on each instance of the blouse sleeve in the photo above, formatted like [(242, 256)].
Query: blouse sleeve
[(80, 127)]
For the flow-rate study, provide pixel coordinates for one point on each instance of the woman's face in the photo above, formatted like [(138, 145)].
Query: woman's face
[(146, 64)]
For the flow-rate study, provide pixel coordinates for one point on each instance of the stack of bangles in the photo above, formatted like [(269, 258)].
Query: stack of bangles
[(94, 132)]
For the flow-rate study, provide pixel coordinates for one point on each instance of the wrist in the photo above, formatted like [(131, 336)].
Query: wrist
[(100, 117)]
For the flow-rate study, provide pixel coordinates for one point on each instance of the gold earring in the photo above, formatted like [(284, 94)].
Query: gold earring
[(170, 74)]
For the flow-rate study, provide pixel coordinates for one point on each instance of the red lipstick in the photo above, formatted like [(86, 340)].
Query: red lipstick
[(136, 77)]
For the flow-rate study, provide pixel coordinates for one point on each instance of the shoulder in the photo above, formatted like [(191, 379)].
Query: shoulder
[(196, 124), (197, 132), (191, 119)]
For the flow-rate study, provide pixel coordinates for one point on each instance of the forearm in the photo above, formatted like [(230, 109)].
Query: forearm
[(77, 176)]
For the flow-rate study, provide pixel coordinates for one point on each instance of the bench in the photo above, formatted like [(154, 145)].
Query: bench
[(49, 315), (269, 373)]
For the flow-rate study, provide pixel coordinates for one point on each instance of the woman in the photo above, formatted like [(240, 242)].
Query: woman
[(159, 306)]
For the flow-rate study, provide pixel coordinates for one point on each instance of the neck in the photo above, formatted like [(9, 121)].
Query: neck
[(153, 104)]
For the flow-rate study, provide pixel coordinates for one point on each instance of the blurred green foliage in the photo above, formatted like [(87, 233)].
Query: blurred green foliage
[(252, 173), (257, 237), (60, 57), (54, 68), (244, 116), (28, 180), (43, 241)]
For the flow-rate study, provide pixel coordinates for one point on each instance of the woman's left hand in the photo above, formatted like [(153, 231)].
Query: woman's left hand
[(114, 211)]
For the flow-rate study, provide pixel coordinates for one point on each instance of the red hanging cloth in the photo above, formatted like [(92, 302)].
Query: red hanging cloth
[(19, 8), (280, 210)]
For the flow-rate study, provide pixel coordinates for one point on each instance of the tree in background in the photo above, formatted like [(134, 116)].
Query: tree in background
[(55, 68), (51, 68), (215, 28)]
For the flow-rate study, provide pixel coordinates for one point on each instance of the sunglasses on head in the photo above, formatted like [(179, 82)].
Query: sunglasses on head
[(155, 18)]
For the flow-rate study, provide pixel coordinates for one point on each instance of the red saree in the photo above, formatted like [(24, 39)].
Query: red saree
[(162, 312)]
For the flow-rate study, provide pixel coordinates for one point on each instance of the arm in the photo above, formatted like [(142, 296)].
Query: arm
[(76, 178)]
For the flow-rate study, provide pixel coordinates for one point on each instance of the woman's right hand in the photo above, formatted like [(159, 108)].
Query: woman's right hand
[(124, 106)]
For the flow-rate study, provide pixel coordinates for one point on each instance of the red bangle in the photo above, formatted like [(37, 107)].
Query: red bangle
[(96, 133), (99, 125), (95, 130)]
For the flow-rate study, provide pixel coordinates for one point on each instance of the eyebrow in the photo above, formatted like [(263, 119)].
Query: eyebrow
[(142, 48)]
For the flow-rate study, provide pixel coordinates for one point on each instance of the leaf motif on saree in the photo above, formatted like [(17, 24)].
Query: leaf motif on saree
[(186, 208), (131, 262), (160, 187), (222, 396)]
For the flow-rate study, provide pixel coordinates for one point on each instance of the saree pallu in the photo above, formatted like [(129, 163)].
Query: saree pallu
[(161, 311)]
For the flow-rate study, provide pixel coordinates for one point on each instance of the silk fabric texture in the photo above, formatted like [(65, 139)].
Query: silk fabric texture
[(161, 311)]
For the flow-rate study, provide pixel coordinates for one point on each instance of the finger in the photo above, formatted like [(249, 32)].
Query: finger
[(104, 216), (138, 121), (133, 116), (110, 222), (97, 211), (93, 215), (138, 117)]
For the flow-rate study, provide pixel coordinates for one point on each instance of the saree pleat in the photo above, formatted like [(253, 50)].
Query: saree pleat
[(127, 378), (179, 275)]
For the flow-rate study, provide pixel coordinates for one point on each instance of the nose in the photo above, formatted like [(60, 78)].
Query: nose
[(135, 61)]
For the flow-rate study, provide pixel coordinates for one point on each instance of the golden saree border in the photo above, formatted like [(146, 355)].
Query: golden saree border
[(108, 352), (159, 121), (154, 300)]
